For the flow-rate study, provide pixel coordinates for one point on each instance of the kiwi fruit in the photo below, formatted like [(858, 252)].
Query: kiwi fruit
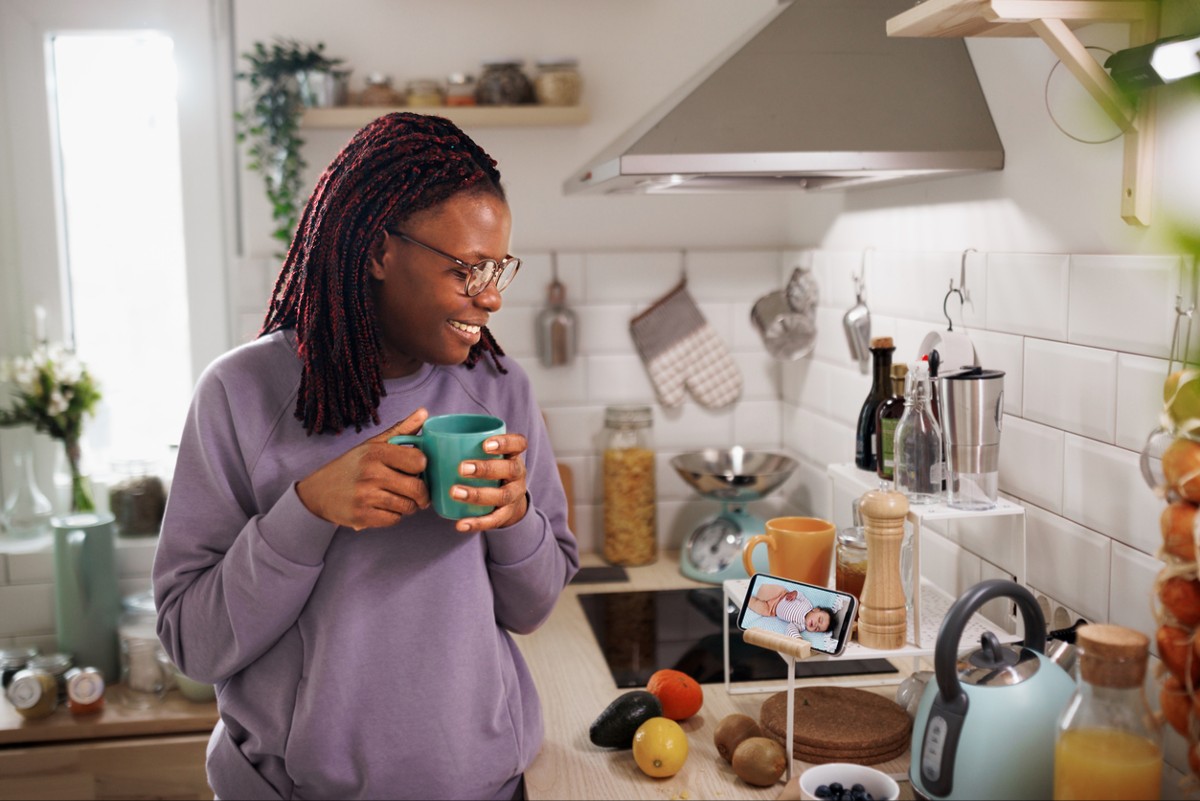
[(731, 731), (759, 761)]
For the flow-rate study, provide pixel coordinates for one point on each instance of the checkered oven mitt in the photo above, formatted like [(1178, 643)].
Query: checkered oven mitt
[(681, 351)]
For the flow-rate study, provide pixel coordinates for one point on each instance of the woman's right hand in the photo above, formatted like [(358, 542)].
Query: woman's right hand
[(371, 485)]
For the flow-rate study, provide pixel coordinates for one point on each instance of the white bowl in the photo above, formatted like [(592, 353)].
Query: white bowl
[(881, 786)]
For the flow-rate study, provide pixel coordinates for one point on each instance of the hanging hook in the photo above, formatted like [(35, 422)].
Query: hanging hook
[(963, 292), (860, 279), (945, 300)]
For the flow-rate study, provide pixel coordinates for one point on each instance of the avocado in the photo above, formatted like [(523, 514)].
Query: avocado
[(616, 725)]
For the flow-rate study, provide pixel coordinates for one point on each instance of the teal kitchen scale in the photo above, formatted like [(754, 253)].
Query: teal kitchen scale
[(713, 552)]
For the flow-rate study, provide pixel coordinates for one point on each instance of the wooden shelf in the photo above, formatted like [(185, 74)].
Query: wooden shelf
[(463, 116), (1053, 21)]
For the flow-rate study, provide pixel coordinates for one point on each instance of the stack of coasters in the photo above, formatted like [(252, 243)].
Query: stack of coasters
[(839, 724)]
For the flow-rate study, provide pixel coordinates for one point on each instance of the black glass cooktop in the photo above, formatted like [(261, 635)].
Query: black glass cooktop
[(641, 632)]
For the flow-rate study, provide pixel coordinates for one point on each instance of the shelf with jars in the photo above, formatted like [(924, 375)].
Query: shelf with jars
[(527, 115)]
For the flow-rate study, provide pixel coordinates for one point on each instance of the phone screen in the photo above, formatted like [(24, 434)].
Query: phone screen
[(820, 615)]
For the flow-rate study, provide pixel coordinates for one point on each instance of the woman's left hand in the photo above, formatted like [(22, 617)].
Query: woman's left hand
[(509, 498)]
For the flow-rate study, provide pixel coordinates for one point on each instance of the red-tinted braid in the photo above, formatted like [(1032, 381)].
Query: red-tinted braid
[(396, 166)]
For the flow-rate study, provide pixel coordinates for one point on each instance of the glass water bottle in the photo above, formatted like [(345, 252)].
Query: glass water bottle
[(918, 443), (1109, 744)]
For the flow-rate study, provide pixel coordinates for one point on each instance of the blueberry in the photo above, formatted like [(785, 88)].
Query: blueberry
[(823, 791), (836, 788), (858, 795), (859, 788)]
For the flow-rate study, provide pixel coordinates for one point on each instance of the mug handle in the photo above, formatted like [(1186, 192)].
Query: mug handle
[(748, 551), (408, 439)]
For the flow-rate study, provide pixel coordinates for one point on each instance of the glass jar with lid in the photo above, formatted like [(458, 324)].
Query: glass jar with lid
[(460, 89), (13, 660), (630, 524), (503, 82), (424, 92), (851, 561), (143, 679), (56, 666), (558, 82), (137, 499), (379, 92), (33, 693)]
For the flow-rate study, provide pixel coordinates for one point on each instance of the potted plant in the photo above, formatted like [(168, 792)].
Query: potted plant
[(270, 123)]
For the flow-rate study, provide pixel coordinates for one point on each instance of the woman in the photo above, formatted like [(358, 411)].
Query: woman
[(300, 568)]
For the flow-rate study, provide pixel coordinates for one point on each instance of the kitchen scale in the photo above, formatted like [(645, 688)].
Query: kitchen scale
[(735, 476)]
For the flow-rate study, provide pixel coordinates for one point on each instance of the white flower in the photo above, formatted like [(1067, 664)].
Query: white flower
[(70, 369), (25, 373), (57, 404)]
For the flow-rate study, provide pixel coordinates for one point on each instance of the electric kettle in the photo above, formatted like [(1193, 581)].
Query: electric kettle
[(985, 728)]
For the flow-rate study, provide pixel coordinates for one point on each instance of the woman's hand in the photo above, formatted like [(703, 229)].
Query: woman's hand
[(373, 484), (509, 498)]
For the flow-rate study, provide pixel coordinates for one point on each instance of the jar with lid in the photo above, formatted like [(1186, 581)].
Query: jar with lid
[(56, 666), (558, 82), (143, 679), (379, 92), (1109, 744), (424, 92), (503, 83), (85, 690), (33, 693), (460, 89), (137, 499), (630, 524), (14, 660), (851, 561)]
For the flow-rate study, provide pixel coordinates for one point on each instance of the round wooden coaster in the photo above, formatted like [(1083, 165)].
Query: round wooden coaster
[(839, 721)]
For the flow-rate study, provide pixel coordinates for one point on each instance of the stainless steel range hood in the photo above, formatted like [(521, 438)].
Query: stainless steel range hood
[(815, 97)]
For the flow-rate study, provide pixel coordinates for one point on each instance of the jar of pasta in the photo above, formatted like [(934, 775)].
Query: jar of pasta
[(558, 82), (630, 527)]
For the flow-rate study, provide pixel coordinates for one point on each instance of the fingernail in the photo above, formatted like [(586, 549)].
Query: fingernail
[(491, 445), (467, 469), (463, 526), (458, 493)]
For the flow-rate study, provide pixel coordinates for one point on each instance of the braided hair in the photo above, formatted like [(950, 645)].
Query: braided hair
[(396, 166)]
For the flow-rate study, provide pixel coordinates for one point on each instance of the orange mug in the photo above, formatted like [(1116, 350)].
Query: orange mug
[(798, 548)]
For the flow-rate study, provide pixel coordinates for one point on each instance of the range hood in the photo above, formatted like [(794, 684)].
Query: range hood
[(814, 97)]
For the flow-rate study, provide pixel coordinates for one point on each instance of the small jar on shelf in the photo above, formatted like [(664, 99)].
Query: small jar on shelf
[(460, 89), (33, 693), (558, 82), (379, 92), (56, 666), (503, 82), (13, 661), (424, 92), (85, 690)]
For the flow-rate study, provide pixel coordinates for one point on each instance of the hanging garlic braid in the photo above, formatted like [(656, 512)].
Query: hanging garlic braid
[(396, 166)]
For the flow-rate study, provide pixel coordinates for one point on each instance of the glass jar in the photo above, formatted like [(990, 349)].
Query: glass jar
[(460, 89), (137, 498), (379, 92), (1108, 744), (143, 680), (503, 83), (630, 525), (424, 92), (33, 693), (85, 690), (56, 665), (558, 82), (851, 561), (14, 660)]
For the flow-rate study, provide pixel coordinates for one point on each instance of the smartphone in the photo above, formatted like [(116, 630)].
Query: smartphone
[(790, 607)]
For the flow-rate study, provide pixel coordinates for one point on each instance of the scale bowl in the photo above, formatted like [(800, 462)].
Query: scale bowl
[(734, 474)]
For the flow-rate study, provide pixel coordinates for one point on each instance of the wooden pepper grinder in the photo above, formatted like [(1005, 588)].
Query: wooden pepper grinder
[(882, 619)]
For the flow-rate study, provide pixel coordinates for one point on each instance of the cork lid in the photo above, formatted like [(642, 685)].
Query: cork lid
[(882, 342), (1112, 656), (899, 370)]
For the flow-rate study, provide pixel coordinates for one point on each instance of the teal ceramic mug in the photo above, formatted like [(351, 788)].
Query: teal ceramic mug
[(447, 440)]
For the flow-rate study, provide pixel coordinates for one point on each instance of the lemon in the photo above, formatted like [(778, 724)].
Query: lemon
[(1181, 397), (660, 747)]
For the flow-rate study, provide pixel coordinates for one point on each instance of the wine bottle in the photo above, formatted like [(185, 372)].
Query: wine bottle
[(864, 435), (886, 417)]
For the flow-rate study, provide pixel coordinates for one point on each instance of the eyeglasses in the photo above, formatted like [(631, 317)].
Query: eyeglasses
[(479, 275)]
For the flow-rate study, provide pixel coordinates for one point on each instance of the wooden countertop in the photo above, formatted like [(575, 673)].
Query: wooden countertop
[(176, 715), (575, 686)]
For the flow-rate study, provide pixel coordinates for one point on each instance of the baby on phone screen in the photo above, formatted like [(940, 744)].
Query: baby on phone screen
[(775, 600)]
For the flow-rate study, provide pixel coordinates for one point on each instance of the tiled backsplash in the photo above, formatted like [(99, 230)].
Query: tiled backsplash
[(1083, 341)]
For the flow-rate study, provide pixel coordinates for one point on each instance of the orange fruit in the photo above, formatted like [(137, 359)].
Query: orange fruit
[(660, 747), (680, 694)]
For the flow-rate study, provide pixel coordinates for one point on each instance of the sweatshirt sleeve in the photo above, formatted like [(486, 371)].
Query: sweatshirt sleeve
[(531, 561), (229, 578)]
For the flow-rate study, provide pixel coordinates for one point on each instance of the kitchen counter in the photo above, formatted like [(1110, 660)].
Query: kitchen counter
[(576, 685)]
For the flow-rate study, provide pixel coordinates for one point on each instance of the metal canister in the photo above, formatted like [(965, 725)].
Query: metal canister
[(630, 513)]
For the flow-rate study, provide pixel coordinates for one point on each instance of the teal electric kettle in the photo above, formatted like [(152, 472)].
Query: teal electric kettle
[(985, 729)]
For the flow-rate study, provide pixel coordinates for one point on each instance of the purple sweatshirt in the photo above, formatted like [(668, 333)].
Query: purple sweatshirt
[(372, 664)]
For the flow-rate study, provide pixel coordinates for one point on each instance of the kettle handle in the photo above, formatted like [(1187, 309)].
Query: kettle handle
[(945, 658)]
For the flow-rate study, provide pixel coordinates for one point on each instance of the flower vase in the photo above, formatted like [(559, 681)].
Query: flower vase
[(27, 511), (72, 483)]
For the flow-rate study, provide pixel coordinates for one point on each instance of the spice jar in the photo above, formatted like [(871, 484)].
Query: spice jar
[(630, 527), (379, 92), (85, 690), (143, 680), (137, 499), (56, 665), (33, 693), (460, 89), (424, 92), (1109, 743), (851, 561), (503, 83), (13, 660), (558, 82)]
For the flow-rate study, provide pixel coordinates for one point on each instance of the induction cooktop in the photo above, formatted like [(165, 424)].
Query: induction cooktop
[(641, 632)]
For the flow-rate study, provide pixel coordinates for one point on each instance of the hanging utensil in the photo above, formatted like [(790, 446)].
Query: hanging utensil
[(857, 321), (556, 324)]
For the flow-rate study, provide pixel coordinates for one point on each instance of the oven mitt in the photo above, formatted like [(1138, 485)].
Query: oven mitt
[(681, 351)]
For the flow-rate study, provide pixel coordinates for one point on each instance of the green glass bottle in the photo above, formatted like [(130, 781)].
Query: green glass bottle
[(886, 417)]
